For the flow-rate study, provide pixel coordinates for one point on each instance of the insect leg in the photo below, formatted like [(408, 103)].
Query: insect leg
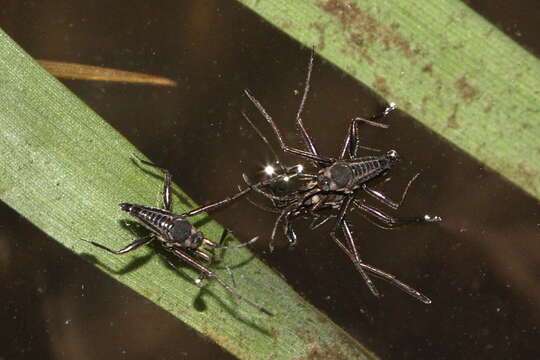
[(274, 230), (317, 158), (217, 204), (355, 256), (289, 231), (386, 200), (342, 211), (262, 207), (350, 144), (134, 245), (394, 281), (205, 270), (315, 223), (395, 221), (299, 123), (224, 234), (167, 198)]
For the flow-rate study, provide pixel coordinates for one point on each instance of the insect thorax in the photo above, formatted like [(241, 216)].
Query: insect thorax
[(183, 234), (335, 177)]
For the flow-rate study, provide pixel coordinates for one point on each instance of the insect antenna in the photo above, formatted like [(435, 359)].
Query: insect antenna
[(244, 244), (265, 140)]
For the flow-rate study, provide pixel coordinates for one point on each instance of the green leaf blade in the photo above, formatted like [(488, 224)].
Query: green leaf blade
[(439, 61), (66, 170)]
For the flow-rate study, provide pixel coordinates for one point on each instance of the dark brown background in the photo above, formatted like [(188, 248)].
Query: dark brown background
[(480, 266)]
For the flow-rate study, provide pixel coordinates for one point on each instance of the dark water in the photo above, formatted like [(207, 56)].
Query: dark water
[(481, 266)]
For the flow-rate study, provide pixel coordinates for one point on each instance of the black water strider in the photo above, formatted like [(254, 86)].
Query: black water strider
[(178, 236), (334, 186)]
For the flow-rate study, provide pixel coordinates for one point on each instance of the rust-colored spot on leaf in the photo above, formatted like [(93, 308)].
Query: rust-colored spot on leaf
[(363, 29), (381, 86), (452, 119), (342, 346), (74, 71), (425, 100), (466, 90), (428, 68), (321, 28), (286, 24), (324, 353)]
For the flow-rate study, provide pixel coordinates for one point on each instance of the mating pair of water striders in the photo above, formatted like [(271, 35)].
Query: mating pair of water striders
[(325, 194)]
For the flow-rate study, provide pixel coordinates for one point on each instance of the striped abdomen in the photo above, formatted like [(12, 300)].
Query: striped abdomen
[(368, 168), (156, 220)]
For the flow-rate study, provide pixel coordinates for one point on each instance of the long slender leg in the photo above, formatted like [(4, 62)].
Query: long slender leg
[(292, 208), (343, 209), (288, 230), (350, 144), (223, 236), (221, 246), (386, 200), (358, 264), (320, 159), (217, 204), (210, 260), (221, 203), (221, 242), (286, 172), (278, 220), (384, 275), (134, 245), (394, 281), (209, 273), (167, 193), (262, 207), (167, 197), (355, 256), (315, 223), (271, 245), (244, 244), (395, 221), (299, 122)]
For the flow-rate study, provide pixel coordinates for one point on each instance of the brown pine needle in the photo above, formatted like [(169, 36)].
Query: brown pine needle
[(74, 71)]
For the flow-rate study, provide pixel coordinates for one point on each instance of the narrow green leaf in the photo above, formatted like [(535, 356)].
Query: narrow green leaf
[(66, 170), (439, 61)]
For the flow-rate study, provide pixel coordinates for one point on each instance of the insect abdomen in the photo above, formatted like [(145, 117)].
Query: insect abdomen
[(148, 215), (369, 168)]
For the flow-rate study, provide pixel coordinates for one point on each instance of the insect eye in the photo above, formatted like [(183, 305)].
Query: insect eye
[(196, 239)]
